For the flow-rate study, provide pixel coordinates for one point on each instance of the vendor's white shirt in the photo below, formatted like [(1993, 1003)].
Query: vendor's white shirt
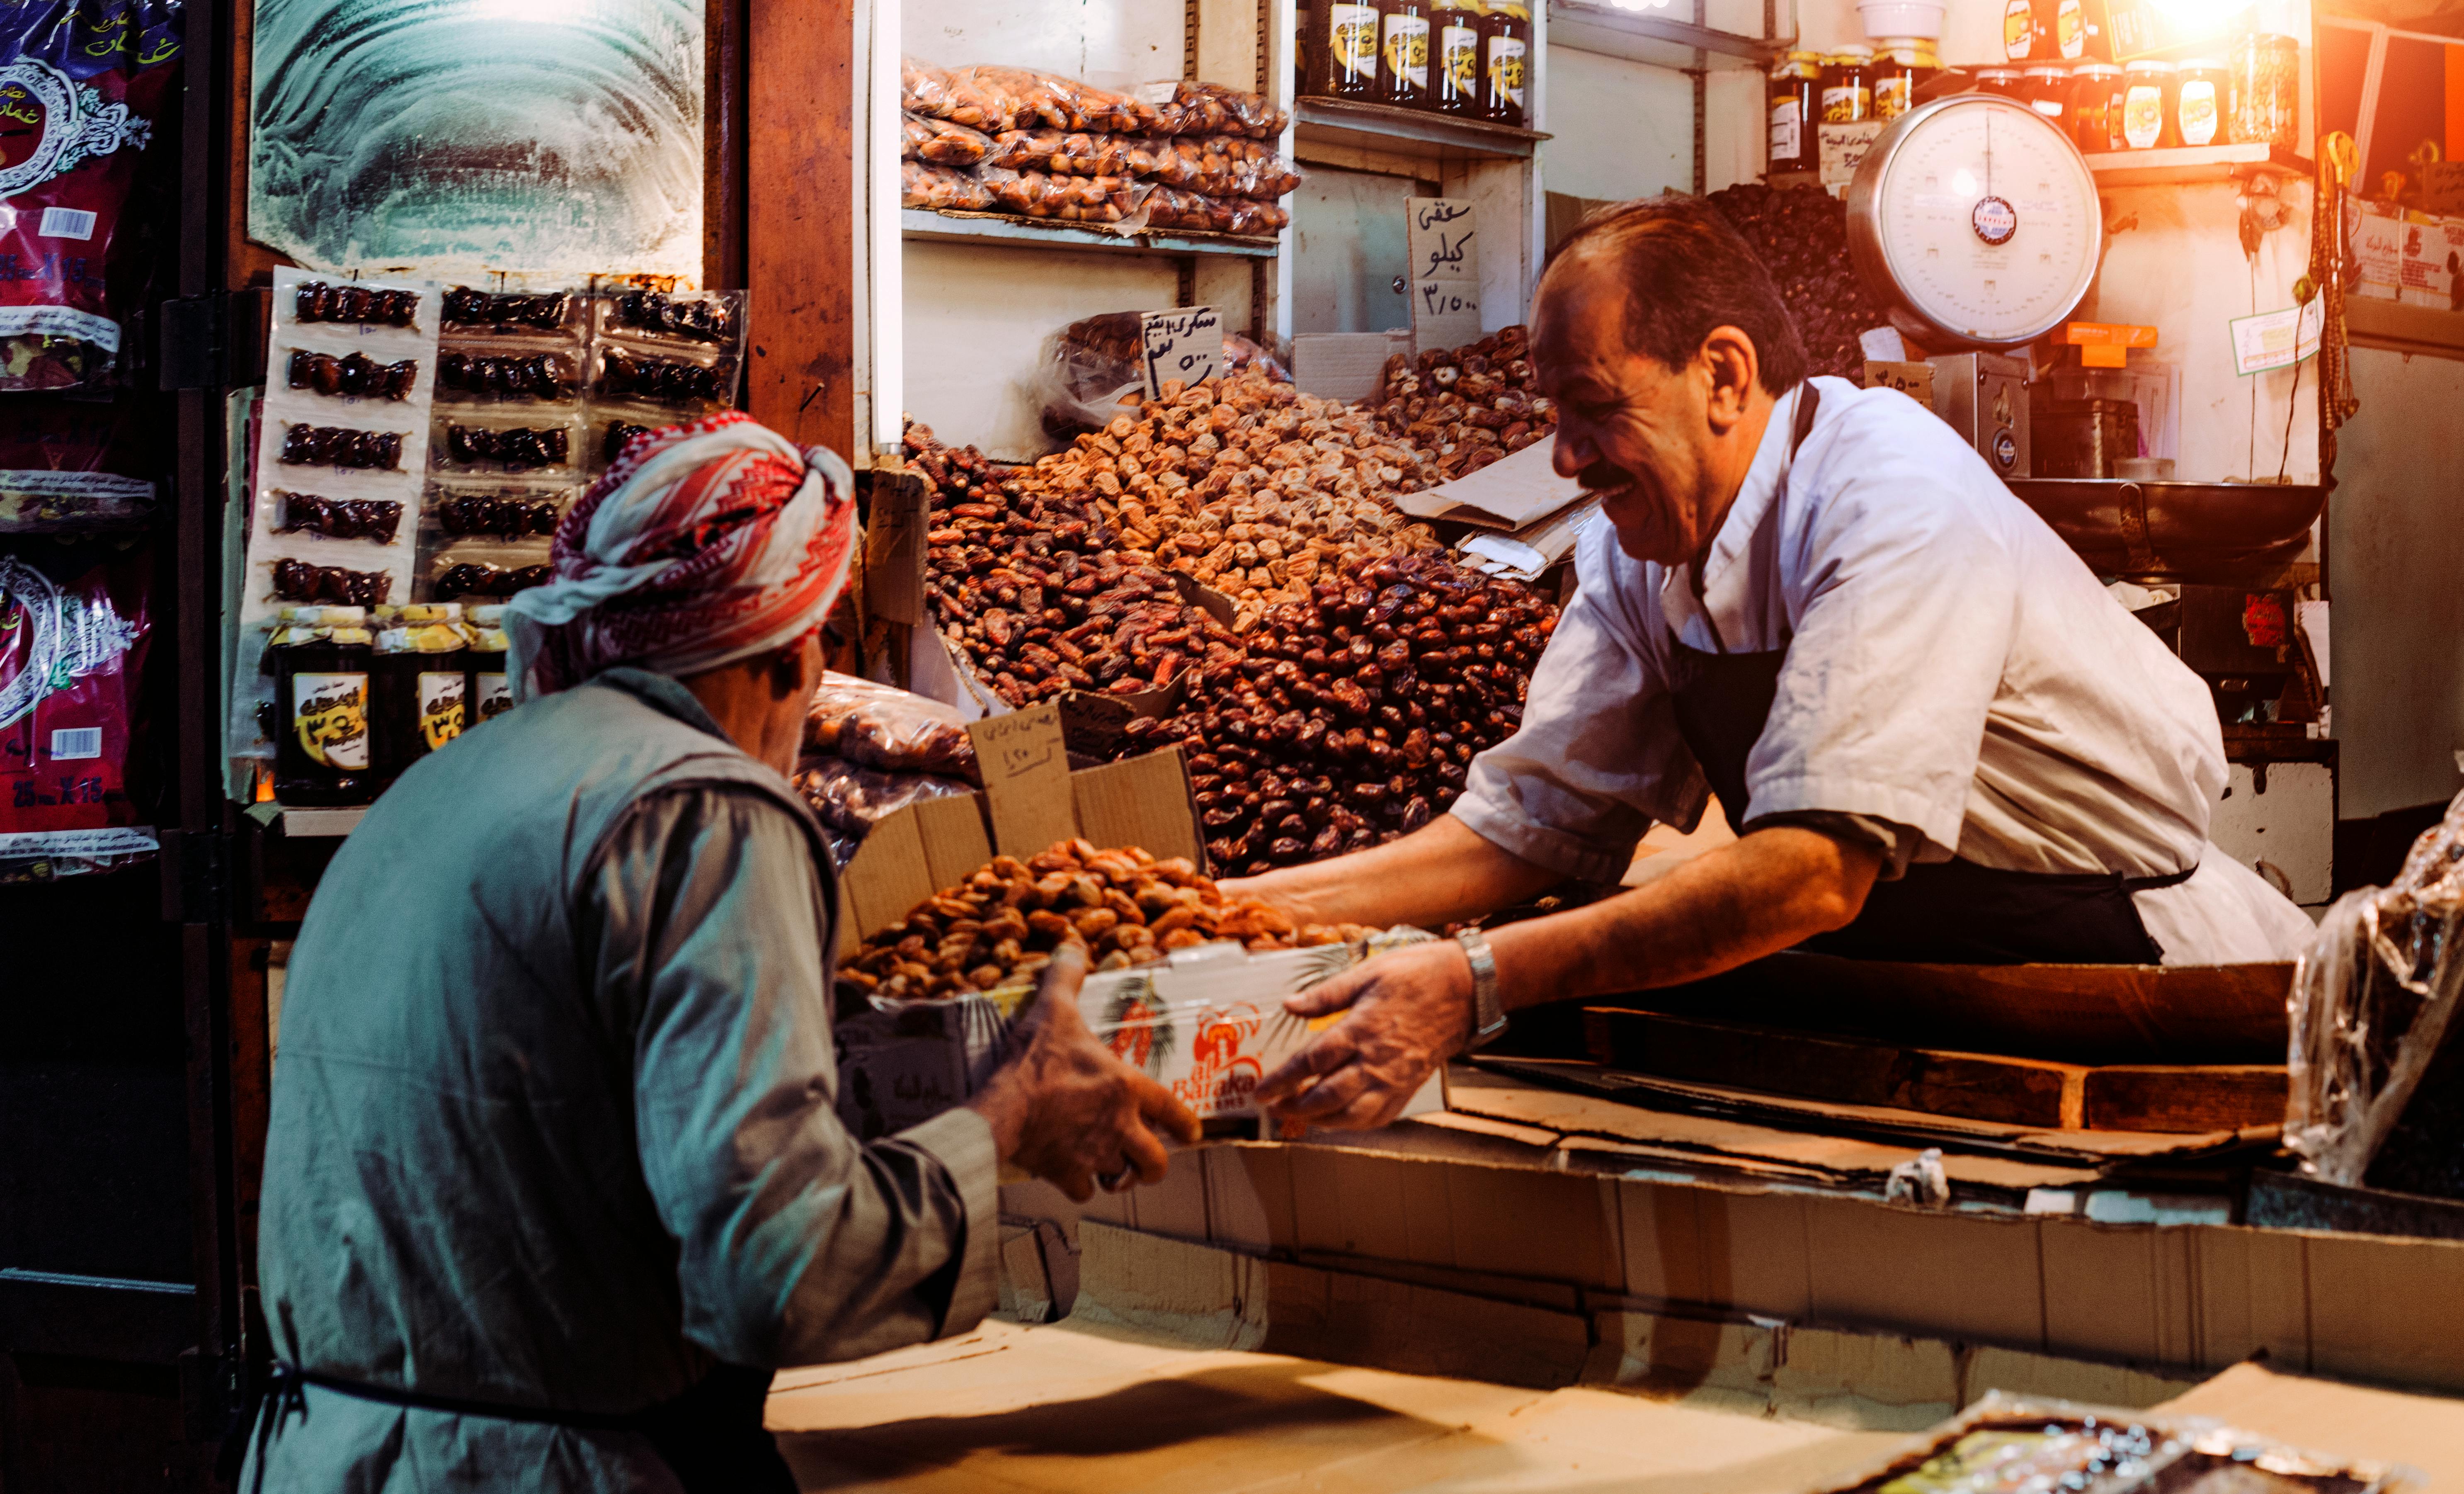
[(1952, 667)]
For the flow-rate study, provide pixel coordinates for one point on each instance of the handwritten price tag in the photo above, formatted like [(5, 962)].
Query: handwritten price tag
[(1185, 344), (1437, 234), (1026, 779), (1445, 313)]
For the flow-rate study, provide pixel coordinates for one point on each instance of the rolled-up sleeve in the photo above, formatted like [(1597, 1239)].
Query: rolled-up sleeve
[(1598, 757), (796, 1244)]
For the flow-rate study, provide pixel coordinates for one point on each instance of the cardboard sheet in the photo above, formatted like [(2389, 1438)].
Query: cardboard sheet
[(1511, 492), (2325, 1417)]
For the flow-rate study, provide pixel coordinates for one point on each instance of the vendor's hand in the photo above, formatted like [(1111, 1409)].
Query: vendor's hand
[(1068, 1111), (1410, 1011)]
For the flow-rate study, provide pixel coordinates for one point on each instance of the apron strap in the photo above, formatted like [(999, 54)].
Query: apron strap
[(1762, 549)]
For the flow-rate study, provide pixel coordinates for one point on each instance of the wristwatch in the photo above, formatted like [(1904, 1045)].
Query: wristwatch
[(1489, 1013)]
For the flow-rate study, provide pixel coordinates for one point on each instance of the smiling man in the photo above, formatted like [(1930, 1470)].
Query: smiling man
[(1936, 735)]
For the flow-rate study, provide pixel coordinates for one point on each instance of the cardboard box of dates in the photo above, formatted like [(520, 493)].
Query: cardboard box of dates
[(1195, 988)]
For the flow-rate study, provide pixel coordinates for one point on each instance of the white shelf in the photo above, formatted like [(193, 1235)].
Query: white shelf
[(925, 225), (1407, 132), (2196, 164)]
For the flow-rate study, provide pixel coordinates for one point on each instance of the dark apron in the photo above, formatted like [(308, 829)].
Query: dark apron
[(1952, 912), (711, 1435)]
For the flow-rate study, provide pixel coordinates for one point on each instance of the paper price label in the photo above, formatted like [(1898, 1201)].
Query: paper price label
[(2274, 339), (1026, 779), (1445, 313), (1185, 344), (1439, 239)]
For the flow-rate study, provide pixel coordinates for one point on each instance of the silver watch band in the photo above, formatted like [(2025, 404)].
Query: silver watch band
[(1488, 1011)]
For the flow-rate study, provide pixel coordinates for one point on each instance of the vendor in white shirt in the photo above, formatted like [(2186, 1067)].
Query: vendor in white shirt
[(1937, 737)]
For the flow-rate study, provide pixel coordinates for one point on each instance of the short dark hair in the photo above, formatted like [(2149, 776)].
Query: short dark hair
[(1686, 270)]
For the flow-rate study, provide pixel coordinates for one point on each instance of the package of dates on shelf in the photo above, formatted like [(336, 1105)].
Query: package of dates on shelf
[(1171, 207), (341, 460), (942, 188), (66, 466), (1183, 107), (73, 625), (82, 83), (1118, 203), (658, 357), (952, 94), (484, 539), (941, 143), (1221, 165)]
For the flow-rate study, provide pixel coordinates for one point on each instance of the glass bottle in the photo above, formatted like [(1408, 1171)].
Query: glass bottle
[(1847, 94), (2019, 29), (489, 695), (2266, 92), (2003, 81), (419, 694), (1505, 48), (2200, 100), (1404, 55), (1454, 74), (2046, 88), (1795, 96), (2095, 106), (1351, 50), (1901, 65), (2148, 107), (319, 656)]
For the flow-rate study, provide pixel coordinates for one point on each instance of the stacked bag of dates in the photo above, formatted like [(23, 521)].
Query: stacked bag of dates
[(539, 388), (871, 750), (1466, 407), (1176, 155), (1336, 715)]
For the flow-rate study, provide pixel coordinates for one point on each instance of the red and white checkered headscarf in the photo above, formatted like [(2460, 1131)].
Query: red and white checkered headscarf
[(702, 545)]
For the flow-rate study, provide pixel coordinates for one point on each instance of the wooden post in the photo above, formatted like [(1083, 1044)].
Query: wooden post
[(800, 196)]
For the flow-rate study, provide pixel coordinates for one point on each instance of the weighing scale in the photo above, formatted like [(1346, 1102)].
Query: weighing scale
[(1976, 220)]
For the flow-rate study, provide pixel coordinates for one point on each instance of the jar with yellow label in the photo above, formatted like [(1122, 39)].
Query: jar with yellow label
[(2068, 42), (1454, 68), (2148, 107), (419, 689), (1503, 49), (1847, 86), (2046, 88), (1403, 54), (1796, 98), (2199, 100), (2003, 81), (1350, 47), (1901, 65), (2020, 28), (2095, 106), (320, 659)]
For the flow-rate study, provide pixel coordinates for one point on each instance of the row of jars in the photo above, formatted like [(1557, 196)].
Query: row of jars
[(1468, 58), (2147, 105)]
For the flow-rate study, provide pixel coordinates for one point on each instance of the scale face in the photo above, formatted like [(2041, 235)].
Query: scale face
[(1979, 218)]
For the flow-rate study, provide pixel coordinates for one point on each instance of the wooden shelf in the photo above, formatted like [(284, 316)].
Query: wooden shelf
[(1409, 132), (2405, 329), (923, 224), (2196, 164), (1657, 39)]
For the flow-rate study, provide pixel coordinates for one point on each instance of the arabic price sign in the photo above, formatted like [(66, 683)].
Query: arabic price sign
[(1437, 237), (1185, 344)]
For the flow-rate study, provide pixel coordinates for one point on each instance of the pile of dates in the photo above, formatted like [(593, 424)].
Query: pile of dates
[(1800, 234), (1466, 407), (1001, 925), (1352, 718)]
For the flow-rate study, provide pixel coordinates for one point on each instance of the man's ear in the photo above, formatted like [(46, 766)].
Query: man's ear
[(1733, 366)]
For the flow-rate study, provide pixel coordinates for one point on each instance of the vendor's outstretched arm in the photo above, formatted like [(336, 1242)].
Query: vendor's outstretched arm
[(1412, 1009), (1443, 872)]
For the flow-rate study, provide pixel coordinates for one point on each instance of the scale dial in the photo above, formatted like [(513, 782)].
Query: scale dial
[(1979, 218)]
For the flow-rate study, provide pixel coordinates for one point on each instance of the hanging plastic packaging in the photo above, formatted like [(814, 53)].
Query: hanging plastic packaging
[(2376, 1088), (72, 650), (80, 84)]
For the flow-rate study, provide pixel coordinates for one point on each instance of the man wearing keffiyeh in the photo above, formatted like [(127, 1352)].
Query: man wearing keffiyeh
[(554, 1178)]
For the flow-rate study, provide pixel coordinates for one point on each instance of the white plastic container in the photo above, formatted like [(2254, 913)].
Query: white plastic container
[(1902, 18)]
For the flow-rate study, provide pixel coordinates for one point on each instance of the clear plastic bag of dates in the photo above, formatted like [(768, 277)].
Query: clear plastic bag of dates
[(82, 86), (547, 314), (879, 725), (485, 570), (1072, 153), (503, 372), (942, 188), (545, 446), (1089, 370), (941, 143), (952, 94), (672, 385), (1221, 165), (1171, 207), (1118, 203), (850, 799), (1183, 107), (2377, 1057), (73, 627)]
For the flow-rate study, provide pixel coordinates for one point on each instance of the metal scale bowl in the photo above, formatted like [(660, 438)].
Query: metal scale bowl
[(1979, 223)]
